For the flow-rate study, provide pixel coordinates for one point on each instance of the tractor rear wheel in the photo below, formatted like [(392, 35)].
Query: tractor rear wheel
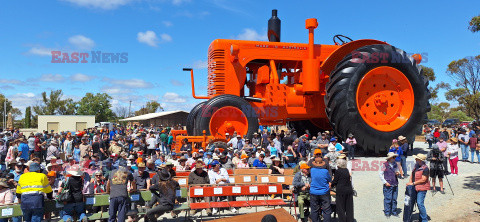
[(377, 93), (227, 113), (191, 119)]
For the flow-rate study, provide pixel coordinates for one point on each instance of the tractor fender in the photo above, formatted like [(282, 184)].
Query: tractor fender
[(331, 62)]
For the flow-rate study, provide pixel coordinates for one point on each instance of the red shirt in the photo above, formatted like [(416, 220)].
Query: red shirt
[(37, 145)]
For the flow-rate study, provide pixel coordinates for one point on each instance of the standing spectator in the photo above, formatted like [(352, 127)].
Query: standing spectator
[(344, 192), (419, 179), (52, 150), (331, 158), (151, 144), (118, 188), (442, 146), (290, 157), (301, 182), (350, 144), (398, 159), (31, 189), (115, 148), (165, 189), (256, 140), (68, 146), (436, 135), (429, 138), (436, 159), (452, 153), (31, 143), (85, 148), (320, 199), (473, 144), (38, 146), (163, 142), (302, 147), (463, 139), (389, 177), (23, 149), (75, 205), (404, 146)]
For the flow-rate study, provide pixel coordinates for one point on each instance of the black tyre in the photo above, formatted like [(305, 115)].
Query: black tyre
[(204, 117), (342, 108), (191, 119)]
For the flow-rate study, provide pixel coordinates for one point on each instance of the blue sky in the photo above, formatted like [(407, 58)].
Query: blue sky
[(163, 36)]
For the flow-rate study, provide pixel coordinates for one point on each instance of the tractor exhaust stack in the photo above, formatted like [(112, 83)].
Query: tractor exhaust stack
[(274, 25)]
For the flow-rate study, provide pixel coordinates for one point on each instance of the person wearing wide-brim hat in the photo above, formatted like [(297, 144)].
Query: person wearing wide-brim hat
[(389, 173), (403, 145), (452, 154), (199, 177), (350, 145), (276, 167), (5, 192), (419, 179), (164, 192)]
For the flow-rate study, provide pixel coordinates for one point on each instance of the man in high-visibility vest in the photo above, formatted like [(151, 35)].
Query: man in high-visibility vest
[(30, 191)]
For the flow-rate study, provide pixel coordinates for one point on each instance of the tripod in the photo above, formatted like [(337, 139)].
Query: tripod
[(441, 168)]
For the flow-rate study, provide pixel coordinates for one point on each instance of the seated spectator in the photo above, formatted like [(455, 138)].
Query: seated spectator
[(160, 160), (208, 158), (236, 159), (244, 162), (92, 168), (165, 190), (290, 158), (151, 166), (75, 204), (182, 164), (199, 176), (6, 195), (334, 143), (226, 162), (301, 183), (276, 167), (268, 158), (331, 158), (259, 163)]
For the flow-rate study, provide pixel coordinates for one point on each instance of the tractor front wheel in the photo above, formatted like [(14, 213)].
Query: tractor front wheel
[(227, 114), (377, 93)]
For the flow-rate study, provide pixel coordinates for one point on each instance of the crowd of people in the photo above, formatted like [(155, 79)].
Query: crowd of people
[(120, 161)]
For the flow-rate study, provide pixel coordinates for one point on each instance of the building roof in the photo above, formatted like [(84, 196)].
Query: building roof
[(152, 115)]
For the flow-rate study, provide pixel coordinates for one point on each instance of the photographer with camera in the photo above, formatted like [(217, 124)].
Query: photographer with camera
[(436, 158)]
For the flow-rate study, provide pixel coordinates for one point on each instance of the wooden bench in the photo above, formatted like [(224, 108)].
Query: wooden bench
[(254, 171), (281, 179), (242, 179), (236, 190)]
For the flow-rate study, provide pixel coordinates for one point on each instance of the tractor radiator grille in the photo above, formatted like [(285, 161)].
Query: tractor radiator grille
[(216, 72)]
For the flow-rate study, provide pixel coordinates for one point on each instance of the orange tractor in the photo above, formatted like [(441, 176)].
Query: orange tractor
[(365, 87)]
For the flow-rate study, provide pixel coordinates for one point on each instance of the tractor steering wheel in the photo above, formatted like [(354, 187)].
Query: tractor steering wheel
[(340, 38)]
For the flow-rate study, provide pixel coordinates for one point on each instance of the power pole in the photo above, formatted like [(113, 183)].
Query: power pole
[(4, 114), (129, 107)]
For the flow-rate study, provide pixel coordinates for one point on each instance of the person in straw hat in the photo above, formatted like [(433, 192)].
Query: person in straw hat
[(75, 204), (276, 167), (419, 179), (403, 144), (389, 176), (452, 154), (395, 148), (301, 183)]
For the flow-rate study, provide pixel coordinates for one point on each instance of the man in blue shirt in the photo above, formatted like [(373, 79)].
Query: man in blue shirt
[(23, 149), (259, 163), (320, 199)]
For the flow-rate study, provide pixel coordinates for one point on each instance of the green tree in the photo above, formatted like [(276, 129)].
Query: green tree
[(2, 106), (474, 24), (439, 111), (28, 117), (150, 107), (54, 104), (428, 73), (466, 74), (98, 105)]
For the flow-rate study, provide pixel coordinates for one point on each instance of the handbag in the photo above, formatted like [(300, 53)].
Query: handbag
[(64, 195)]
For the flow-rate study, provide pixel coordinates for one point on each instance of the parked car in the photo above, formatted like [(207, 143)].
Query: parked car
[(450, 122), (434, 122), (465, 124)]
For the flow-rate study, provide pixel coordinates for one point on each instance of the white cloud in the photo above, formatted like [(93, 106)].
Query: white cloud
[(40, 51), (167, 23), (102, 4), (199, 64), (171, 97), (51, 78), (250, 34), (79, 77), (176, 82), (22, 100), (81, 42), (10, 81), (148, 37), (166, 37), (115, 90), (179, 2), (131, 83)]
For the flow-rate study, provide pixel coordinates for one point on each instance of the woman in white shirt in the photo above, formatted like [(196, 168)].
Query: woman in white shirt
[(452, 152)]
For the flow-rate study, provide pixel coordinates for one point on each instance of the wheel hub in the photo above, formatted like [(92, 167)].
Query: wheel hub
[(385, 98), (228, 119)]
